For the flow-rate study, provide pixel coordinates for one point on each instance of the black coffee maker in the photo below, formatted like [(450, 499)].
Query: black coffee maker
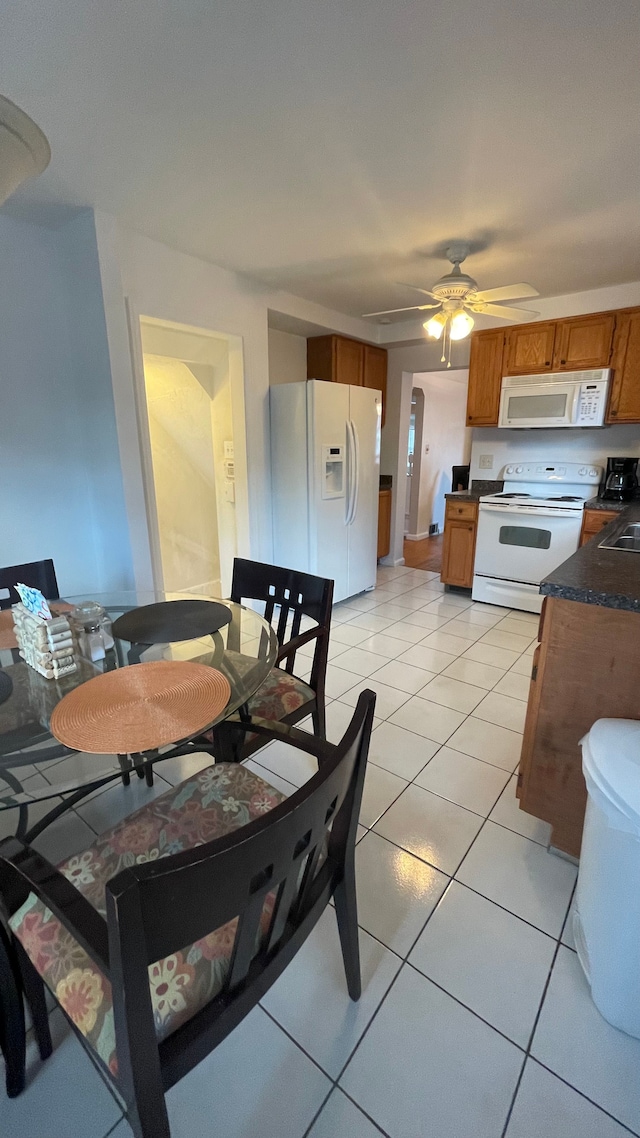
[(621, 480)]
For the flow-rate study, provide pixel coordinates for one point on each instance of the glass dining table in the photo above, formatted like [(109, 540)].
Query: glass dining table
[(35, 767)]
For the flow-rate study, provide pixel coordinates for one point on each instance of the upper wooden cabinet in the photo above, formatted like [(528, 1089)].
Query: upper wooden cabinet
[(529, 348), (338, 359), (600, 339), (583, 342), (375, 372), (485, 374), (624, 402)]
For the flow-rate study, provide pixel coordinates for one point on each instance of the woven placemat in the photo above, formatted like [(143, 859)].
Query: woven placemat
[(141, 707)]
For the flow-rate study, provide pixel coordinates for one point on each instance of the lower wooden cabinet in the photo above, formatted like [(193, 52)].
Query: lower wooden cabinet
[(585, 668), (384, 523), (459, 546), (593, 521)]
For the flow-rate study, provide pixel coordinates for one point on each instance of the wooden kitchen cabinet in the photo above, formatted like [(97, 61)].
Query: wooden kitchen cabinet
[(335, 359), (624, 401), (599, 339), (485, 377), (375, 372), (584, 342), (593, 521), (384, 523), (529, 348), (338, 359), (459, 546), (585, 668)]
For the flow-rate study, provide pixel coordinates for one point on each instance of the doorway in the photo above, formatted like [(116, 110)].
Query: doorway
[(191, 470), (414, 455)]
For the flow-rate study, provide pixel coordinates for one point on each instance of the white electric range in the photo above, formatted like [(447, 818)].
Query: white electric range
[(529, 529)]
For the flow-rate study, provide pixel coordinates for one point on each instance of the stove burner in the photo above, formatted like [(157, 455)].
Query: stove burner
[(564, 498), (512, 495)]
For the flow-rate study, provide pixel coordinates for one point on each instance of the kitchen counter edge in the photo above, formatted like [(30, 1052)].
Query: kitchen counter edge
[(594, 576)]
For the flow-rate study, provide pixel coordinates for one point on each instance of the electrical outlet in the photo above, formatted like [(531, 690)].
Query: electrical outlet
[(486, 462)]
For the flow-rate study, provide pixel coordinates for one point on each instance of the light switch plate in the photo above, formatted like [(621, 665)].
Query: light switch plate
[(486, 462)]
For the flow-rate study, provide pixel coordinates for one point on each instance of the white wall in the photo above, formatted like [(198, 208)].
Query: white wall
[(287, 357), (61, 490), (448, 439), (164, 284), (179, 404), (589, 445)]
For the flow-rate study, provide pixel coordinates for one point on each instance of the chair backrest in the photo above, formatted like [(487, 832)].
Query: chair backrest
[(296, 851), (288, 595), (37, 574)]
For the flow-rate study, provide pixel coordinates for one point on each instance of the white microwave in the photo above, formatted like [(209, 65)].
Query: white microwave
[(559, 399)]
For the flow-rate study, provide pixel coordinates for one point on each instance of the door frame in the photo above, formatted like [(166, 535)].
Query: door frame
[(414, 499), (235, 381)]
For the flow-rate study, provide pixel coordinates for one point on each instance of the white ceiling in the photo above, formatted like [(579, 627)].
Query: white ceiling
[(328, 148)]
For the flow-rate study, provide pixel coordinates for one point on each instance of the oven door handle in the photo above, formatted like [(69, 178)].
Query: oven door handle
[(529, 511)]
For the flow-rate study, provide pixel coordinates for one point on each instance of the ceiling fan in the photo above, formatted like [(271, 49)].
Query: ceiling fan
[(457, 295)]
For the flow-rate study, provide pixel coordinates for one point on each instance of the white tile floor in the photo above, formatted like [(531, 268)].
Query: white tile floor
[(475, 1019)]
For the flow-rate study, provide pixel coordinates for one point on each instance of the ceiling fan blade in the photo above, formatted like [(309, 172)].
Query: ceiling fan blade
[(508, 292), (392, 311), (403, 284), (505, 313)]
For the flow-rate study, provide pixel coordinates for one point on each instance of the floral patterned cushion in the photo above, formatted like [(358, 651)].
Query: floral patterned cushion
[(279, 695), (215, 802)]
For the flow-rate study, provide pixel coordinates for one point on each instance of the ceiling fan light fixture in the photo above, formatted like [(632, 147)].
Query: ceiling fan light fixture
[(461, 325), (435, 326)]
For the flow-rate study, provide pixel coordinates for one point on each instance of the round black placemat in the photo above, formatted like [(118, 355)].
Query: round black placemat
[(171, 620), (6, 686)]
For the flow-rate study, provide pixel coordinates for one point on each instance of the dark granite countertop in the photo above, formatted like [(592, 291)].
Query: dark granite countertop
[(478, 488), (386, 481), (602, 504), (595, 576), (464, 495)]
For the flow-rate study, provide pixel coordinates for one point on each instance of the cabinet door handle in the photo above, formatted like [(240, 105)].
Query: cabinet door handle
[(612, 412), (563, 361), (547, 363)]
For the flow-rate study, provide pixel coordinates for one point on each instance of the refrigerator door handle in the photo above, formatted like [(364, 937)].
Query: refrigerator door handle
[(356, 465)]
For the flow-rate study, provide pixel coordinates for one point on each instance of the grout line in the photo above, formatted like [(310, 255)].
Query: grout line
[(597, 1105), (531, 1037), (462, 1003), (297, 1042), (319, 1111)]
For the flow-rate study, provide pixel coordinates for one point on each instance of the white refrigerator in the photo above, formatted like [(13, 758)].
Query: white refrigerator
[(325, 463)]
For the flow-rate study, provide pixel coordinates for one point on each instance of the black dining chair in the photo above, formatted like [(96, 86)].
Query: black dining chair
[(107, 930), (287, 596), (37, 574)]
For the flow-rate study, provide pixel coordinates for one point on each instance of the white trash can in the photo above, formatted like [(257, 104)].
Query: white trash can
[(606, 920)]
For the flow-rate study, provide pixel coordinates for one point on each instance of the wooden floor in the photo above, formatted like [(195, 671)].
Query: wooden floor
[(425, 554)]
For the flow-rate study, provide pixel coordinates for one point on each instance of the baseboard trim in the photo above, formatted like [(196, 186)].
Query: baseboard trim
[(418, 536)]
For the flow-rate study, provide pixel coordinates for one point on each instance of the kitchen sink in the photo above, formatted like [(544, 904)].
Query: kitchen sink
[(629, 539)]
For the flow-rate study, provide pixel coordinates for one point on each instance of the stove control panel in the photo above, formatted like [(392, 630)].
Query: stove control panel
[(575, 473)]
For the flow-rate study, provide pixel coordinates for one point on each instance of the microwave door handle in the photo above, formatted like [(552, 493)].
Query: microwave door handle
[(575, 399)]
